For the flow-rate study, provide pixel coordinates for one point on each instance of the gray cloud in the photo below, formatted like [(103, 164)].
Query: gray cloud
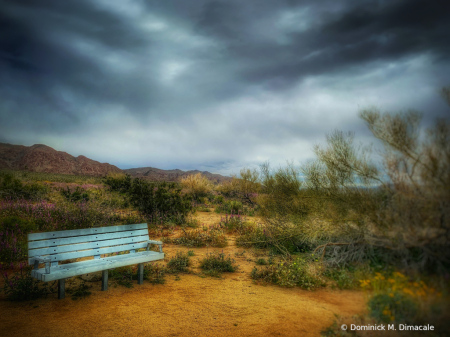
[(214, 85)]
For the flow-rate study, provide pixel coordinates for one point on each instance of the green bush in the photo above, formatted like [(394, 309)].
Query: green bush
[(191, 222), (235, 224), (122, 276), (215, 263), (11, 187), (395, 307), (230, 207), (261, 262), (13, 241), (118, 182), (163, 201), (344, 277), (78, 195), (155, 273), (179, 263), (79, 292), (13, 223), (298, 272), (212, 237), (23, 287)]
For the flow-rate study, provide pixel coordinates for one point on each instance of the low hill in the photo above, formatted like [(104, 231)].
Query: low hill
[(154, 174), (42, 158)]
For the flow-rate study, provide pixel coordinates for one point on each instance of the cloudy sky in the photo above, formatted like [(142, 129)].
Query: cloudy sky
[(213, 85)]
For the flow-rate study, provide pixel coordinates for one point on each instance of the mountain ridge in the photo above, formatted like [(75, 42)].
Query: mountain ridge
[(43, 158)]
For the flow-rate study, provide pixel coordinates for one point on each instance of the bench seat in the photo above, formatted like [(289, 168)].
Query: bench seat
[(92, 266)]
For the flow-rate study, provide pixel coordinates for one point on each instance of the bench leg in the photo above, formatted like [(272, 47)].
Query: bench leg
[(104, 280), (61, 289), (140, 273)]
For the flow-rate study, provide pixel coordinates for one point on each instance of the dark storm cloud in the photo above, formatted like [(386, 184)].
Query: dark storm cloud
[(36, 52), (153, 81), (363, 32)]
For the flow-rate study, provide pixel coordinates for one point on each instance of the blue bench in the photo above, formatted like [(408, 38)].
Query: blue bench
[(51, 248)]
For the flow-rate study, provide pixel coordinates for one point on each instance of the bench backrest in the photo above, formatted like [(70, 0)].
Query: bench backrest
[(72, 244)]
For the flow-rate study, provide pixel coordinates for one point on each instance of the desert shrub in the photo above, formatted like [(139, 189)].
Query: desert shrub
[(235, 206), (23, 287), (245, 187), (396, 308), (198, 186), (122, 276), (163, 199), (61, 216), (215, 263), (11, 187), (155, 273), (113, 200), (254, 236), (351, 209), (299, 272), (118, 182), (219, 199), (261, 262), (235, 224), (191, 253), (191, 222), (212, 237), (230, 207), (270, 238), (396, 298), (346, 277), (78, 195), (179, 263), (13, 241), (13, 223), (81, 291), (30, 177)]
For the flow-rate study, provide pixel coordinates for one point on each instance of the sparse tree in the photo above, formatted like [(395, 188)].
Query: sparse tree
[(348, 208), (245, 187)]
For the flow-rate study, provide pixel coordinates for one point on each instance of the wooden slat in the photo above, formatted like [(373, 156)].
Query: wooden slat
[(85, 238), (86, 267), (86, 231), (92, 252), (88, 245)]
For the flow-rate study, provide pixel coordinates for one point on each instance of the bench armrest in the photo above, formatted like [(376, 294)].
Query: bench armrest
[(37, 259), (149, 242)]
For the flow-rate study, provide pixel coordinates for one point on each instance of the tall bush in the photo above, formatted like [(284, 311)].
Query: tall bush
[(198, 186), (165, 198)]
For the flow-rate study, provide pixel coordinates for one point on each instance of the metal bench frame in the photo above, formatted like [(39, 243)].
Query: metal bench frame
[(51, 248)]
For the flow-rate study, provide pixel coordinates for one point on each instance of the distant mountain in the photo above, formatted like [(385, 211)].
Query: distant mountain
[(42, 158), (154, 174)]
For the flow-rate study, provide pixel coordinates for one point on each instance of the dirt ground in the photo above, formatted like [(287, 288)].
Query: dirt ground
[(190, 306)]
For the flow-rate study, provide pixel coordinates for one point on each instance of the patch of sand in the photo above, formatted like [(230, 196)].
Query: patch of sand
[(191, 306)]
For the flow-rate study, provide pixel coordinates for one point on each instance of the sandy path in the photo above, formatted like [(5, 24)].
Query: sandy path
[(192, 306)]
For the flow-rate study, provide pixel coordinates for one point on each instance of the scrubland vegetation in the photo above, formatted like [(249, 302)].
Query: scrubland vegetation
[(340, 221)]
